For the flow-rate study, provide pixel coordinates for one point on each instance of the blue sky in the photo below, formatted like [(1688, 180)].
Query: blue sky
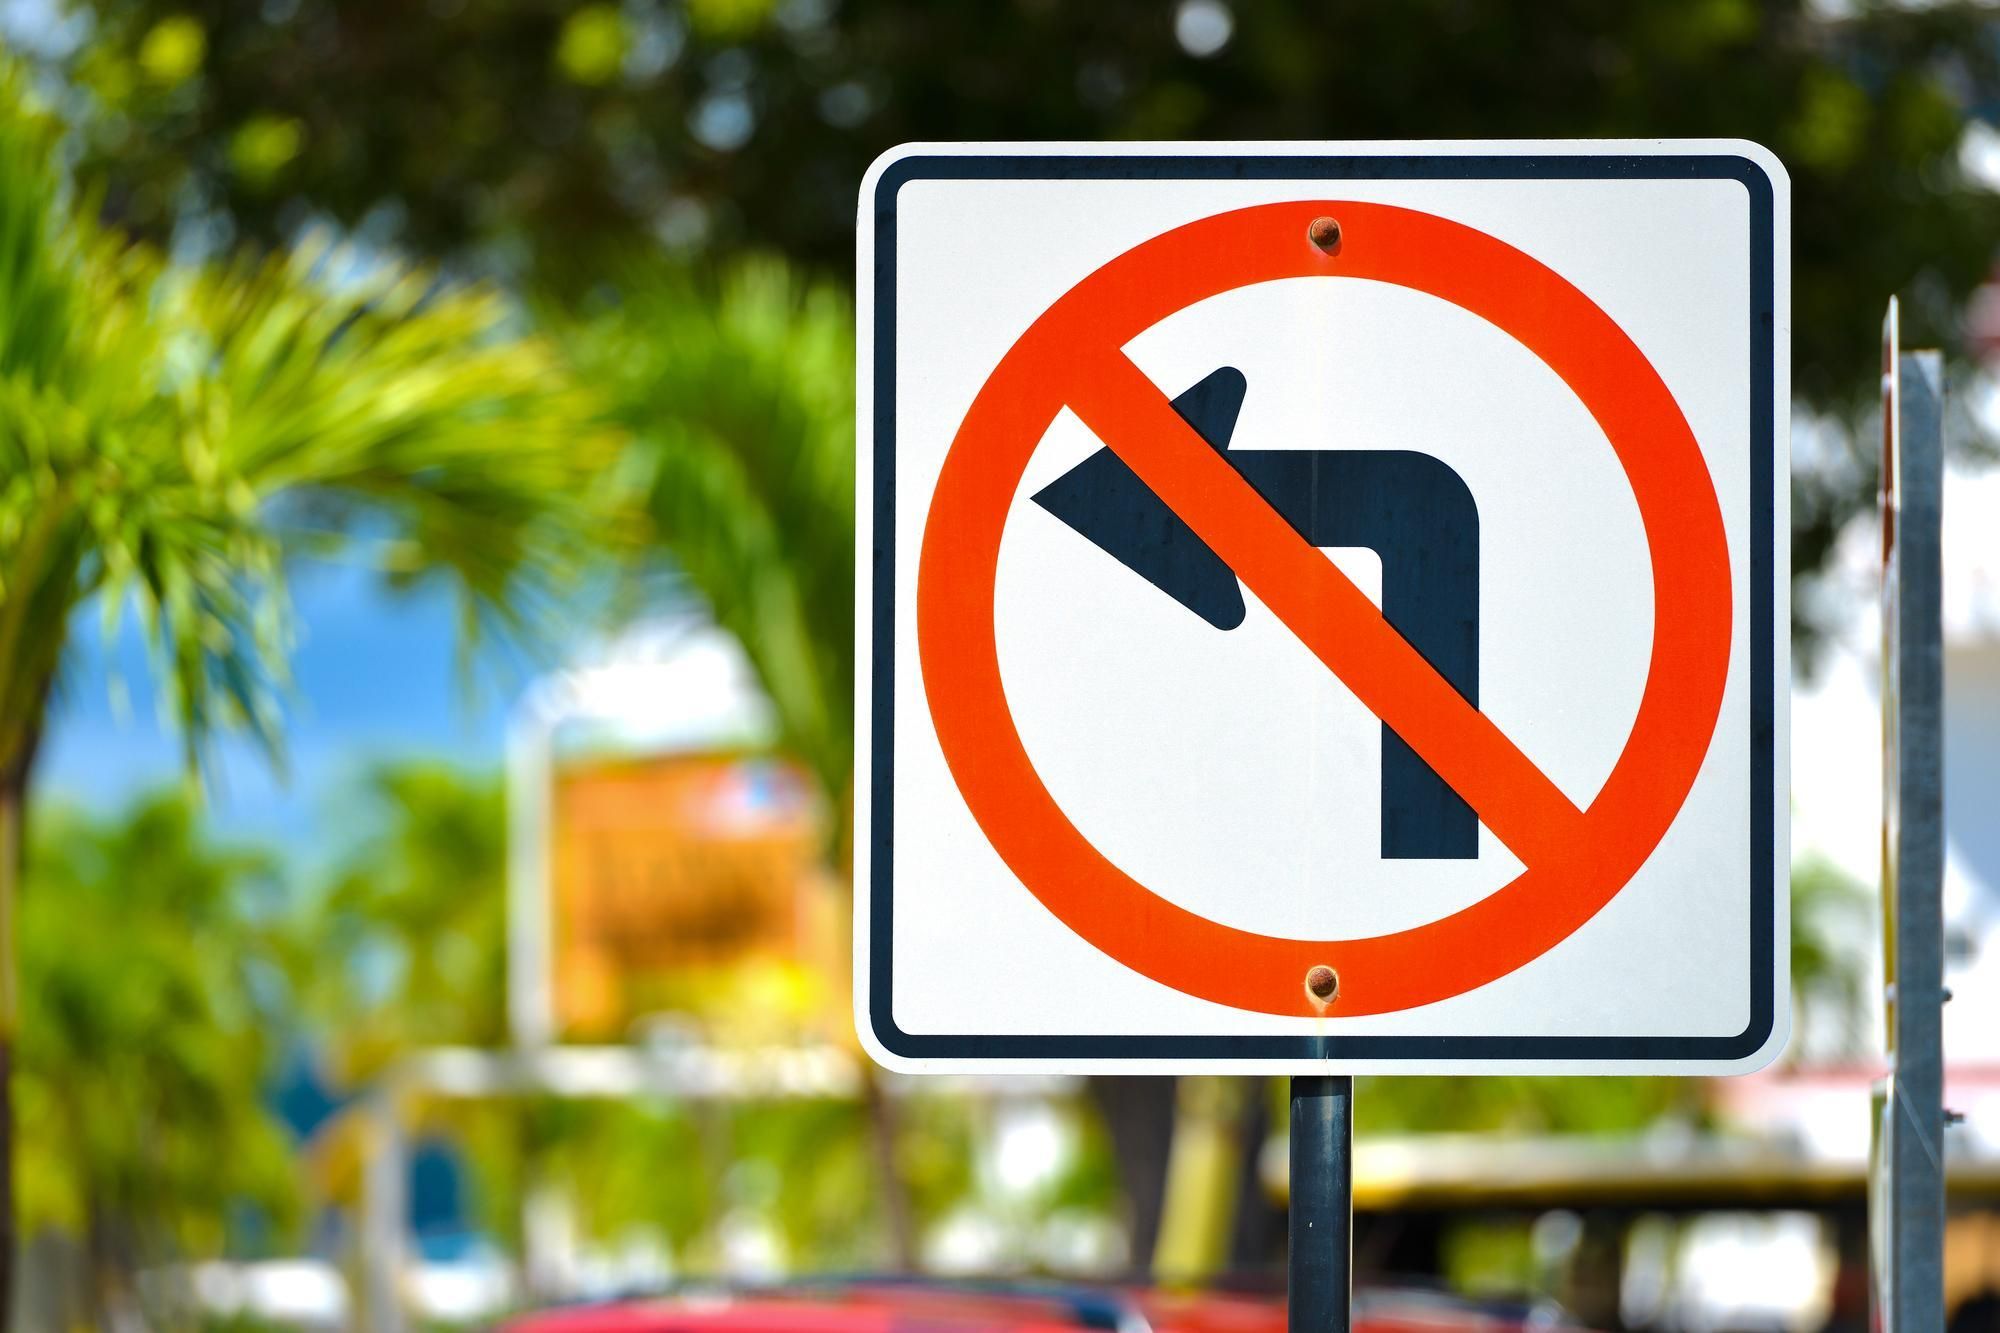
[(376, 675)]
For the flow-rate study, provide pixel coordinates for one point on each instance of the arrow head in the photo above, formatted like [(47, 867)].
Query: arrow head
[(1105, 501)]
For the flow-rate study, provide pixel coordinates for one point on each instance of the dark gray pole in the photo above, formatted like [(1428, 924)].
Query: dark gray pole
[(1907, 1186), (1322, 1203)]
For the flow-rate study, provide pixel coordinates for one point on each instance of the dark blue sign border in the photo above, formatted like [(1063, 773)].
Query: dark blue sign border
[(880, 539)]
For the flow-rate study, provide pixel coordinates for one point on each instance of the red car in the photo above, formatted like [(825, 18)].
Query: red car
[(891, 1306)]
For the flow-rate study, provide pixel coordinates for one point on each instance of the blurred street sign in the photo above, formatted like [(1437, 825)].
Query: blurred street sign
[(1906, 1160), (1323, 607), (667, 873), (686, 887)]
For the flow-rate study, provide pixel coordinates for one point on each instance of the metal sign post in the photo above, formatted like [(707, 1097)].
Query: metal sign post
[(1321, 1242), (1906, 1179)]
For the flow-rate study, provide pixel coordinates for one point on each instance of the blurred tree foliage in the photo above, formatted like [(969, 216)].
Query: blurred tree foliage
[(414, 919), (410, 950), (516, 132), (408, 935), (1522, 1105), (707, 1177), (173, 433), (1836, 926), (735, 384), (153, 994)]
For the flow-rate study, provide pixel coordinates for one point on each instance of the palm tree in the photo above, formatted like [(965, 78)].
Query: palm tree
[(421, 881), (737, 390), (144, 1125), (172, 434)]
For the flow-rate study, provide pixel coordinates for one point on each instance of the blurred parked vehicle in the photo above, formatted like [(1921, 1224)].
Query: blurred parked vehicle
[(891, 1306)]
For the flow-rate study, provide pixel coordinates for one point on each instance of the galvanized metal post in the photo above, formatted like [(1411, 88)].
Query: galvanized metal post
[(1321, 1281), (1908, 1176)]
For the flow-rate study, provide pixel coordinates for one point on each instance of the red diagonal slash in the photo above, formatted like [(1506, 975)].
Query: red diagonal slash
[(1321, 605)]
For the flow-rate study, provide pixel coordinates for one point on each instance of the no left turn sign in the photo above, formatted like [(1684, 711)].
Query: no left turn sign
[(1322, 607)]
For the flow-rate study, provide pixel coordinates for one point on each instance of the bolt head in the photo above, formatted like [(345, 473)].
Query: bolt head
[(1324, 233), (1322, 983)]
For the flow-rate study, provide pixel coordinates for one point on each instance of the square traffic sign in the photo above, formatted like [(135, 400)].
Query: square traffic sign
[(1322, 607)]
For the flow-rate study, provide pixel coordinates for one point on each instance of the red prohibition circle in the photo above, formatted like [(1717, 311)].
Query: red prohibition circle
[(1575, 860)]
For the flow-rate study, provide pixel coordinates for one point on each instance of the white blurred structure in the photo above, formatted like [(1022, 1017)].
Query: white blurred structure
[(1837, 737), (292, 1293)]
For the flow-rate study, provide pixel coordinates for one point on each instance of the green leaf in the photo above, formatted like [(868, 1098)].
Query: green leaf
[(171, 433), (738, 389)]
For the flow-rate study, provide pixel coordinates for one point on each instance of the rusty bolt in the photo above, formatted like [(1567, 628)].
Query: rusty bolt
[(1324, 233), (1322, 983)]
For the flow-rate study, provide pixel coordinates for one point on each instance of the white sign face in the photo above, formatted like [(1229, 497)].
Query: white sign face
[(1323, 607)]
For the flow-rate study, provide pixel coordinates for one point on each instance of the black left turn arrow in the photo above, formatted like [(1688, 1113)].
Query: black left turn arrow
[(1412, 509)]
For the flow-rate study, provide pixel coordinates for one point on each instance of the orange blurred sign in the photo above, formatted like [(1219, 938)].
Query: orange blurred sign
[(687, 887)]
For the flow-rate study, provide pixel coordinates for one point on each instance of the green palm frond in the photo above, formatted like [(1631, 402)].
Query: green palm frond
[(170, 434), (739, 390)]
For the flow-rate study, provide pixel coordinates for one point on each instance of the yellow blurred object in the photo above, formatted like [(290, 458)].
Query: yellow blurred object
[(1203, 1167), (593, 44), (173, 50), (263, 145), (728, 18), (1971, 1257), (690, 890)]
